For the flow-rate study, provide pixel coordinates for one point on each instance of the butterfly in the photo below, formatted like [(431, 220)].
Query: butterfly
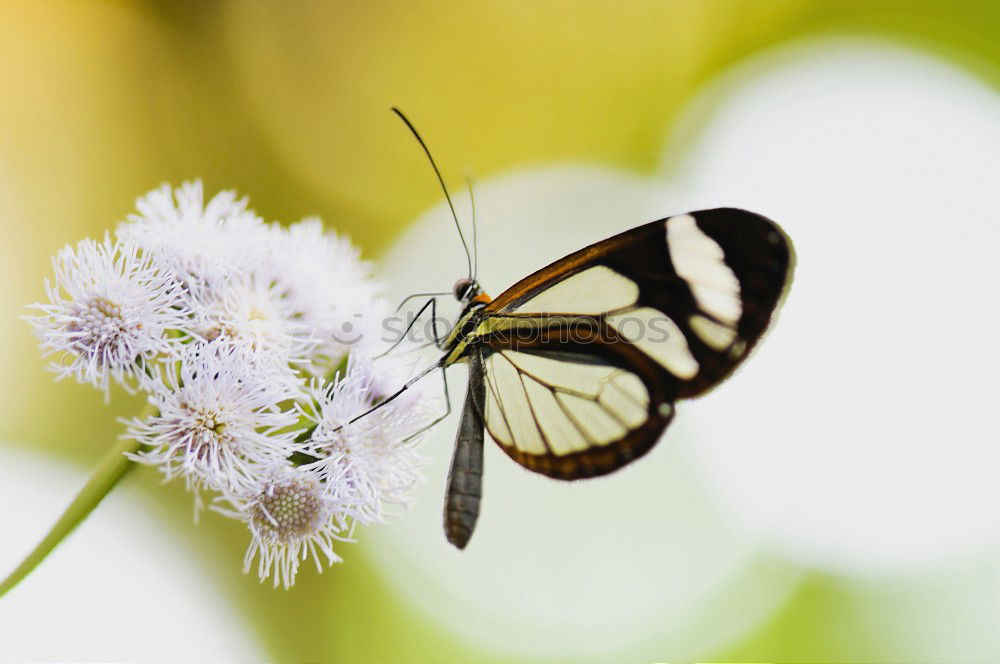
[(576, 369)]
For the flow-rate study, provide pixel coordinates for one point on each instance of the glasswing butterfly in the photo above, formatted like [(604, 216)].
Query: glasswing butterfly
[(575, 370)]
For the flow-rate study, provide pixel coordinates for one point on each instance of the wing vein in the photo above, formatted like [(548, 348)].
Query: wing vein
[(534, 415), (621, 389), (545, 383), (496, 396), (591, 442)]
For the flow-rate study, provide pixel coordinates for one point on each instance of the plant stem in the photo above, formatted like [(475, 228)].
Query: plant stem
[(112, 468)]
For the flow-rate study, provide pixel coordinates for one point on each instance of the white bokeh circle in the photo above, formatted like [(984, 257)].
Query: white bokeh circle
[(863, 439), (855, 440), (629, 566)]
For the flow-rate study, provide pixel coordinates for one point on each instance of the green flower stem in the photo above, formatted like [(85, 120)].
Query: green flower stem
[(112, 468)]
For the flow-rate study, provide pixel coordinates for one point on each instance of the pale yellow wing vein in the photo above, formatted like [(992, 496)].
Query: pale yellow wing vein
[(559, 388), (628, 395), (590, 397), (496, 396), (531, 407)]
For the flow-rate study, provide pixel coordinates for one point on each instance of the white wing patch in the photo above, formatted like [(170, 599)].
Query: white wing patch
[(497, 421), (592, 291), (542, 405), (597, 424), (515, 406), (699, 260), (715, 335), (659, 337), (559, 431)]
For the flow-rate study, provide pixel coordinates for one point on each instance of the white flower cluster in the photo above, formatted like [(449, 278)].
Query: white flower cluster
[(256, 345)]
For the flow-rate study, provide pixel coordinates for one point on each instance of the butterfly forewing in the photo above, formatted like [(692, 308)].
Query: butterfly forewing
[(584, 359)]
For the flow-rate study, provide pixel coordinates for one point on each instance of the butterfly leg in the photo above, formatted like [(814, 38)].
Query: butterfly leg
[(434, 323), (432, 303), (439, 339), (439, 418)]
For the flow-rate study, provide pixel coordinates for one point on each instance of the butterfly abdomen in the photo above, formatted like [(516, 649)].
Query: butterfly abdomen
[(465, 478), (462, 507)]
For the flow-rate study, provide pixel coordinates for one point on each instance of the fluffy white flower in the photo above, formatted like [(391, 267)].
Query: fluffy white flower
[(373, 461), (219, 417), (109, 311), (204, 243), (291, 516), (325, 281), (218, 316), (252, 310)]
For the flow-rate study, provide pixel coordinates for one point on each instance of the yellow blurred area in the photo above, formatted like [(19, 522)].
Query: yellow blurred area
[(289, 104)]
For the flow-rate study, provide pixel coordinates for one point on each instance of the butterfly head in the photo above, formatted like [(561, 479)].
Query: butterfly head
[(468, 290)]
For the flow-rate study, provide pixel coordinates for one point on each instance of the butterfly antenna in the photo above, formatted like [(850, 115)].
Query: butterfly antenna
[(451, 206), (475, 239)]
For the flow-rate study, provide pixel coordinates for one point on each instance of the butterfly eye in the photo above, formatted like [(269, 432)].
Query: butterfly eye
[(462, 289)]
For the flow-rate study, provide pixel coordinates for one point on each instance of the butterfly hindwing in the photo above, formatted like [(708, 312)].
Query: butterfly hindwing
[(584, 359), (573, 408)]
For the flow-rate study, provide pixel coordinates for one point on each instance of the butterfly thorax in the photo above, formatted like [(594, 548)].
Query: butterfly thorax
[(456, 343)]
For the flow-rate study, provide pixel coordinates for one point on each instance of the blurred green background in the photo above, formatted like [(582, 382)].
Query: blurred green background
[(288, 103)]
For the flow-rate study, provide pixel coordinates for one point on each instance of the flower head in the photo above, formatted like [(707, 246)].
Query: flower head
[(219, 417), (109, 311), (258, 347), (251, 310), (291, 516), (203, 243), (372, 460), (328, 286)]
